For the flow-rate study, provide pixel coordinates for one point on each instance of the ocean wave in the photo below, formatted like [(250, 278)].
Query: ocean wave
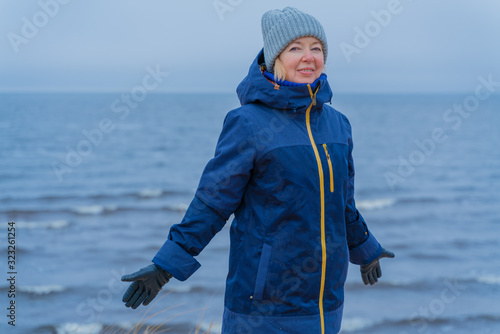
[(390, 325), (375, 204), (462, 243), (94, 209), (436, 320), (53, 225), (424, 285), (37, 290), (89, 210), (180, 207), (418, 200), (150, 193), (186, 288), (380, 203), (143, 193), (391, 284), (41, 290), (432, 256), (355, 324), (489, 279), (77, 328)]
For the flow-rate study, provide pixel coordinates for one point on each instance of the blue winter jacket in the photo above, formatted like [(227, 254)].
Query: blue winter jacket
[(283, 166)]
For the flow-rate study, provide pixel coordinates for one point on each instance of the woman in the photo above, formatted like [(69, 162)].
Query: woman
[(283, 166)]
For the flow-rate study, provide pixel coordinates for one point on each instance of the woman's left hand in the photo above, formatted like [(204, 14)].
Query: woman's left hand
[(370, 273)]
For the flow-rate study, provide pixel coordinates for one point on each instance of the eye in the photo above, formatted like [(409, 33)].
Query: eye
[(294, 48), (317, 49)]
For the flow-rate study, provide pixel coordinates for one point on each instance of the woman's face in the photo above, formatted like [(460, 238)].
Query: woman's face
[(303, 60)]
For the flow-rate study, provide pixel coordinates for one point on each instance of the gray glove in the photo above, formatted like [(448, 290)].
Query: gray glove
[(370, 273), (147, 282)]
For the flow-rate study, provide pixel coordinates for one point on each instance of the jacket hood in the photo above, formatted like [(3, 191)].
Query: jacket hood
[(256, 88)]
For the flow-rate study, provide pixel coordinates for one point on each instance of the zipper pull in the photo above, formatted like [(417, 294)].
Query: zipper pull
[(326, 151), (313, 95)]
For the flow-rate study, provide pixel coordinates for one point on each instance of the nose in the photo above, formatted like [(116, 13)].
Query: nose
[(307, 56)]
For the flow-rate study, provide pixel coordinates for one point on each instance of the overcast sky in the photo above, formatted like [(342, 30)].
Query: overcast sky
[(206, 45)]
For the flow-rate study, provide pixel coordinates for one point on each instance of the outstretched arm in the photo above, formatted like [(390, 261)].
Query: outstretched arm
[(364, 249), (219, 193)]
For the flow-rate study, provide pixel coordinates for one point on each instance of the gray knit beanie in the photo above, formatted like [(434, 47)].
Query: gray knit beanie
[(281, 27)]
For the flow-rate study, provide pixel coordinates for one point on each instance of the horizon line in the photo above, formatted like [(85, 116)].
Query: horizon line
[(195, 91)]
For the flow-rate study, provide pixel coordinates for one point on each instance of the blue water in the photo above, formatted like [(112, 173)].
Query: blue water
[(89, 210)]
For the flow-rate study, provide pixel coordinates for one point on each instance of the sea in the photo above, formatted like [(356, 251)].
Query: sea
[(90, 184)]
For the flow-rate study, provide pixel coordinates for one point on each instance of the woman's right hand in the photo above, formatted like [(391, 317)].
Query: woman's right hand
[(146, 283)]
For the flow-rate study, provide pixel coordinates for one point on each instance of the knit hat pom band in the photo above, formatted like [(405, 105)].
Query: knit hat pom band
[(281, 27)]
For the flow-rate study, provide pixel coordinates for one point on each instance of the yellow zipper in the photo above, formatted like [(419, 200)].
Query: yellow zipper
[(329, 167), (322, 194)]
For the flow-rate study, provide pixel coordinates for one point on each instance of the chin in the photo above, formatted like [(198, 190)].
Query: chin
[(301, 80), (306, 80)]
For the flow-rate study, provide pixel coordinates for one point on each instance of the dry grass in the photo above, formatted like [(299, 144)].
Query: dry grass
[(161, 320)]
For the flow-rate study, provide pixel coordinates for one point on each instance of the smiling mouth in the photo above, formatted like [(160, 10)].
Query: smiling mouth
[(306, 71)]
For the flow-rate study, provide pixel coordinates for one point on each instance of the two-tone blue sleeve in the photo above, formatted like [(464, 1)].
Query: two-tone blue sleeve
[(219, 193), (226, 176), (187, 239), (363, 247)]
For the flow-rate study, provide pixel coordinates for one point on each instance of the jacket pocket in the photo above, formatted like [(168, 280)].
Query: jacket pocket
[(330, 167), (260, 281)]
